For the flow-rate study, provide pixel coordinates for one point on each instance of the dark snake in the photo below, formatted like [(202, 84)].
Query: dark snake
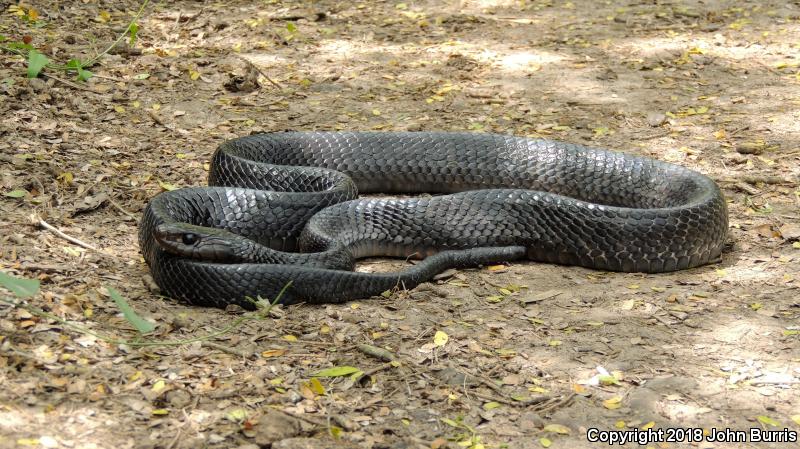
[(283, 207)]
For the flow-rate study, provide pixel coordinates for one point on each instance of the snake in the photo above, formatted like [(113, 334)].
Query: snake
[(282, 219)]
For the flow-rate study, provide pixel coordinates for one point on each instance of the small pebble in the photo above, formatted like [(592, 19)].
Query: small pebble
[(656, 119)]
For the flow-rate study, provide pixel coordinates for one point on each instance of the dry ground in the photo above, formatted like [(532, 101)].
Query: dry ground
[(711, 85)]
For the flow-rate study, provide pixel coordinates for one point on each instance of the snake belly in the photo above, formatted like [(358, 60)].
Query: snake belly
[(494, 197)]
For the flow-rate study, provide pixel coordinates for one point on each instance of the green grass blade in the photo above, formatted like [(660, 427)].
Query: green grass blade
[(21, 287), (133, 318)]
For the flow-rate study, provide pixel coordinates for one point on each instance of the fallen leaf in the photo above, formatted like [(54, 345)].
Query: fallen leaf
[(557, 428), (438, 443), (440, 338), (766, 420), (236, 415), (167, 186), (158, 386), (273, 353), (316, 386), (337, 371), (18, 193), (507, 353), (608, 380)]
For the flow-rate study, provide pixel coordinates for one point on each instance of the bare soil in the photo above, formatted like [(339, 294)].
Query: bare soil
[(535, 355)]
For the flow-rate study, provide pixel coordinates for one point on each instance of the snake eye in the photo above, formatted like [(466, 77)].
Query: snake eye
[(189, 239)]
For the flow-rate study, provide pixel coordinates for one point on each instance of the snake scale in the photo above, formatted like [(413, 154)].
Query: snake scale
[(284, 207)]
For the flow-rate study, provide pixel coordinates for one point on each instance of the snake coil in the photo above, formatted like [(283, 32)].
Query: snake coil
[(500, 198)]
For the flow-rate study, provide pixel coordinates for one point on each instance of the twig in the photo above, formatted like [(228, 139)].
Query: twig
[(181, 18), (378, 353), (121, 209), (548, 400), (262, 73), (309, 419), (738, 130), (155, 117), (491, 384), (365, 374), (45, 268), (654, 135), (56, 231), (318, 16), (556, 403), (374, 370), (69, 83), (175, 439), (229, 350), (747, 188), (121, 36), (765, 179), (766, 66), (177, 22), (664, 322), (774, 382), (110, 78)]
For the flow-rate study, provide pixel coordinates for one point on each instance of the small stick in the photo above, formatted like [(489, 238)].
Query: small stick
[(121, 209), (303, 417), (377, 369), (229, 350), (111, 78), (371, 371), (755, 179), (513, 402), (70, 83), (378, 353), (262, 73), (155, 117), (664, 322), (45, 268), (175, 440), (56, 231), (774, 382), (556, 403), (747, 188), (491, 384)]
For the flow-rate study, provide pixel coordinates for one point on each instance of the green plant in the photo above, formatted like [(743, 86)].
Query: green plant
[(38, 61), (25, 288)]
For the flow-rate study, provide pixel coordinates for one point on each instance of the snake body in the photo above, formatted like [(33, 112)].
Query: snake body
[(501, 198)]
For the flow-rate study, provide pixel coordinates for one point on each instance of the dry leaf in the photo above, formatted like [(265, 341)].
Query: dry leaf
[(440, 339)]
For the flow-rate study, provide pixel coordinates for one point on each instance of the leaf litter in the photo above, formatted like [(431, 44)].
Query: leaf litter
[(680, 84)]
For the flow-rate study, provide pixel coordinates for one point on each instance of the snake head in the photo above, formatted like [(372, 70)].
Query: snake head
[(199, 242)]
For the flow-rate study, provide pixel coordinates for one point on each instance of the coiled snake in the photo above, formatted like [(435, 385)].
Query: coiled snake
[(507, 198)]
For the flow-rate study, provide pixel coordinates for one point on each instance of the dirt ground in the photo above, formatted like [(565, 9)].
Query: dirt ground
[(532, 355)]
